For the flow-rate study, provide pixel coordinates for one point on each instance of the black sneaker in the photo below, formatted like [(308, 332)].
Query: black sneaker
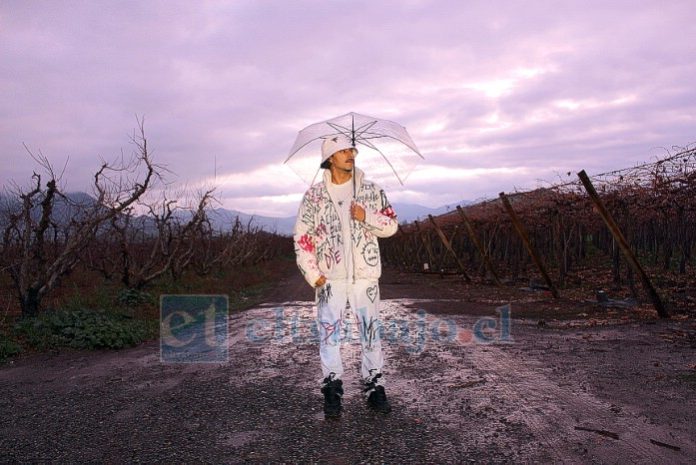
[(376, 397), (333, 391)]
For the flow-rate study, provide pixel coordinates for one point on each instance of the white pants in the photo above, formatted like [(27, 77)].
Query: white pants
[(363, 297)]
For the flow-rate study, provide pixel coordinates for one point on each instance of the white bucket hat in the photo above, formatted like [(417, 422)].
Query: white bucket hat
[(333, 144)]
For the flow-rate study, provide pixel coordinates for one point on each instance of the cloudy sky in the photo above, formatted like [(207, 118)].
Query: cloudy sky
[(497, 94)]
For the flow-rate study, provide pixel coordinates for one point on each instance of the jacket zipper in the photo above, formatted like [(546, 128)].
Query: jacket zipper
[(352, 249), (350, 223)]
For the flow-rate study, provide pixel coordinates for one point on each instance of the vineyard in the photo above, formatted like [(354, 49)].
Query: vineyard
[(591, 375), (131, 236), (630, 231)]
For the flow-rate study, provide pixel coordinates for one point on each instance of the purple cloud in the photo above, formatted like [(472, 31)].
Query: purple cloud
[(512, 92)]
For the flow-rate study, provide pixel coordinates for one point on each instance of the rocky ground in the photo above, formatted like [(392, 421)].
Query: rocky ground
[(564, 381)]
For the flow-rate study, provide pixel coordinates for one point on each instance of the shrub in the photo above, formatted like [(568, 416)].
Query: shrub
[(8, 348), (134, 297), (83, 329)]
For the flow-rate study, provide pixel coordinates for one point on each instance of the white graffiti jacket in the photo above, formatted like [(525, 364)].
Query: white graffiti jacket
[(319, 240)]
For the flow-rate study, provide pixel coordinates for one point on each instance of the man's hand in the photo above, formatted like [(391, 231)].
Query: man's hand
[(320, 282), (357, 212)]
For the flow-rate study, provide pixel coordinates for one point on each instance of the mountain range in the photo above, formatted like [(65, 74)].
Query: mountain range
[(223, 219), (407, 212)]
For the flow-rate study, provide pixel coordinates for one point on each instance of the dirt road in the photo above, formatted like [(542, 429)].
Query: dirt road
[(467, 384)]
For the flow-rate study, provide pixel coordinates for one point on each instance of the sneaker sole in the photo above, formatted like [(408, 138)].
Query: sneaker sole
[(379, 409)]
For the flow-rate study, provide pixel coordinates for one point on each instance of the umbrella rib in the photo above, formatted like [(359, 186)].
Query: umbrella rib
[(314, 178), (366, 127), (364, 141), (390, 166), (367, 134), (341, 129), (357, 132), (307, 143), (367, 143)]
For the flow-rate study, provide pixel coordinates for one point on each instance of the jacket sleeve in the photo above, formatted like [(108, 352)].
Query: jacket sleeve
[(305, 244), (381, 221)]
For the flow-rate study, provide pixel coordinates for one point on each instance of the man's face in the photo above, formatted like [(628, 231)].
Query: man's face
[(343, 159)]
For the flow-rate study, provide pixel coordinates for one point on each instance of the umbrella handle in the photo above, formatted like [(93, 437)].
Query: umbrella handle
[(351, 224), (355, 194)]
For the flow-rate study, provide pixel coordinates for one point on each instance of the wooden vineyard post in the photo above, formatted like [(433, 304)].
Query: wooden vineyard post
[(418, 245), (448, 246), (623, 245), (426, 243), (479, 246), (527, 244), (410, 249), (399, 250)]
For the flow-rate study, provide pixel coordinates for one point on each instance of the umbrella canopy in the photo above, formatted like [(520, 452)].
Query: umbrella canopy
[(385, 150)]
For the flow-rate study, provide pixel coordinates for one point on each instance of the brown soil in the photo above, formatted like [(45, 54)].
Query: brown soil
[(574, 382)]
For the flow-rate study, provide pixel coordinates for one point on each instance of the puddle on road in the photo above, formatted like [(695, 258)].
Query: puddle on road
[(483, 395)]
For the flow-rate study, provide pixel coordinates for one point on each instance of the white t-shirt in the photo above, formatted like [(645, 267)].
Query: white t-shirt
[(342, 195)]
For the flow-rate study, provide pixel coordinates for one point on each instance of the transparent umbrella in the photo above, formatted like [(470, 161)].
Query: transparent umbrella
[(386, 153)]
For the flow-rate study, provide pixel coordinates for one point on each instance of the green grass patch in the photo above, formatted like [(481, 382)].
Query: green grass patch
[(134, 298), (8, 348), (85, 329)]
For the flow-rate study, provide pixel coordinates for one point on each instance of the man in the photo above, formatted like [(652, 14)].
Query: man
[(336, 233)]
